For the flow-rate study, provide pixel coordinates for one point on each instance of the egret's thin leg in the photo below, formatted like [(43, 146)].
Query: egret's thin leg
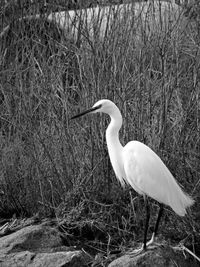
[(160, 212), (147, 221), (158, 219), (145, 243)]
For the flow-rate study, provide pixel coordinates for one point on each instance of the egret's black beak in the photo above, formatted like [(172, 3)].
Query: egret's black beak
[(86, 112)]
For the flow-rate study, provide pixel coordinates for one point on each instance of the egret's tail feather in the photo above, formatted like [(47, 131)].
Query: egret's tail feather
[(183, 201)]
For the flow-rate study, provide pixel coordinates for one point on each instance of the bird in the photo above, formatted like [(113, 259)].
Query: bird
[(140, 167)]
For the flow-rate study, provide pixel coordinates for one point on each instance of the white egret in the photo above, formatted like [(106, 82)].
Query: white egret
[(136, 164)]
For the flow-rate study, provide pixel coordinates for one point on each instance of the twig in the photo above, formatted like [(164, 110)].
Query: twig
[(183, 248)]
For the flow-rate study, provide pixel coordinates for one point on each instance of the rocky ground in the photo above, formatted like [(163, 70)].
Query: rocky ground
[(42, 244)]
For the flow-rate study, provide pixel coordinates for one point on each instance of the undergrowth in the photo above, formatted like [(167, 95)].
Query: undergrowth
[(150, 68)]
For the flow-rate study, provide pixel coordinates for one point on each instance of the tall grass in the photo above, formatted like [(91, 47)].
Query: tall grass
[(149, 67)]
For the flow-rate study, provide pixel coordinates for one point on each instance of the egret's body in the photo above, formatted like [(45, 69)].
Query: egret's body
[(148, 175), (136, 164)]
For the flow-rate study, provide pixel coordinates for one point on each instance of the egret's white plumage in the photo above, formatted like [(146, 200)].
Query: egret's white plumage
[(136, 164), (147, 174)]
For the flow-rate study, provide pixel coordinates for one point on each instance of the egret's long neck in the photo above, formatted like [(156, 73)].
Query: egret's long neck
[(114, 146), (112, 132)]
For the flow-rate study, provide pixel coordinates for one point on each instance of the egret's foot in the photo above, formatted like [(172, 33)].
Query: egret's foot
[(140, 250), (151, 241), (137, 251), (151, 244)]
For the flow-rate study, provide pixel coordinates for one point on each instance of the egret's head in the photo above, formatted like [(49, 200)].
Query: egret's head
[(104, 105)]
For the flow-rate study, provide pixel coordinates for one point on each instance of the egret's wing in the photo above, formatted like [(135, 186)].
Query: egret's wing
[(147, 174), (143, 169)]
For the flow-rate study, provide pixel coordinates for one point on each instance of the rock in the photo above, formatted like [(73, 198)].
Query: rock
[(31, 238), (157, 257), (55, 259), (71, 258), (20, 259), (38, 246)]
